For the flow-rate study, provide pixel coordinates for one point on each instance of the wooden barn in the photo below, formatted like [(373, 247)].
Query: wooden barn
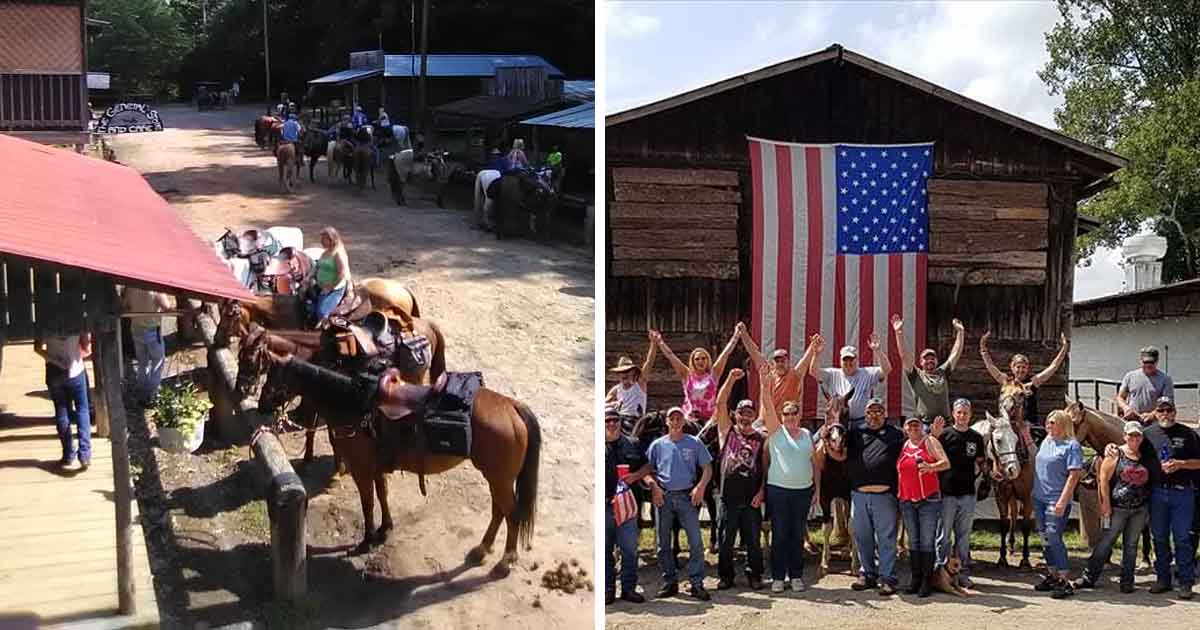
[(1003, 198)]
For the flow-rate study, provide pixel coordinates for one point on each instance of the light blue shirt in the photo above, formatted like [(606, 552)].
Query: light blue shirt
[(675, 464), (1055, 461), (291, 131), (791, 460)]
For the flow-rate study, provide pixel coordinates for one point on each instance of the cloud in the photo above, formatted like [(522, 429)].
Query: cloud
[(626, 23)]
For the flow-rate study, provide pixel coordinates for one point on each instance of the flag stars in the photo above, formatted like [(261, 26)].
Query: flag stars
[(904, 154), (855, 219), (873, 165), (843, 153), (862, 154), (926, 152)]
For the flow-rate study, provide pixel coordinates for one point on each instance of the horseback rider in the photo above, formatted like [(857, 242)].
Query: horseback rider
[(497, 162), (516, 157), (359, 118)]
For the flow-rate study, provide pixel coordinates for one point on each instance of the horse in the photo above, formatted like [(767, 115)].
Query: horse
[(506, 448), (288, 165), (315, 143), (835, 480), (343, 154), (364, 162), (485, 206), (262, 130), (1004, 449), (401, 169), (522, 205)]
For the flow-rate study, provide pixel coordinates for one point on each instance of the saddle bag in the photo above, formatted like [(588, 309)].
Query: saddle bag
[(447, 423)]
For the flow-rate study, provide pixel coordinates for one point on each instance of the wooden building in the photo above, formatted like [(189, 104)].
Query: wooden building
[(43, 70), (1003, 199)]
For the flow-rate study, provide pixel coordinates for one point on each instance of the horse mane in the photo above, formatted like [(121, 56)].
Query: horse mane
[(1102, 428)]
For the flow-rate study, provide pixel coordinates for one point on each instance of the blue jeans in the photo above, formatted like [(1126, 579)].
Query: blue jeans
[(625, 539), (873, 525), (1125, 523), (958, 517), (1171, 518), (735, 518), (678, 506), (1051, 528), (150, 352), (922, 519), (71, 406), (326, 302), (789, 525)]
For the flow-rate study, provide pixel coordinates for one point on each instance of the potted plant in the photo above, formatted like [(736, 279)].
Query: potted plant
[(180, 411)]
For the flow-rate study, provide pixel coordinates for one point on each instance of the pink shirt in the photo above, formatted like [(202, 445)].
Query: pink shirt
[(700, 395)]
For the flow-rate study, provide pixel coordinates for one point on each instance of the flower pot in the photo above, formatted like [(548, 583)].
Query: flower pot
[(175, 441)]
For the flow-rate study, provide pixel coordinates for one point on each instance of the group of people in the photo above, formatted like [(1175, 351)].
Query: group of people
[(923, 471)]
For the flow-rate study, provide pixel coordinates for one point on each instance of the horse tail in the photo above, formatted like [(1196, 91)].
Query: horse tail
[(416, 310), (437, 365), (525, 516)]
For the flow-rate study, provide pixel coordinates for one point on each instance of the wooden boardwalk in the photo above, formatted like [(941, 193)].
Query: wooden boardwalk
[(58, 557)]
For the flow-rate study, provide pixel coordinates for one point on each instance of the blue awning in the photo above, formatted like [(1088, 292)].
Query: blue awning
[(347, 76), (578, 117), (579, 91), (441, 65)]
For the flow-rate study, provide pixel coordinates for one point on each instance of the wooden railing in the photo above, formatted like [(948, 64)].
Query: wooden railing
[(41, 102), (1101, 393)]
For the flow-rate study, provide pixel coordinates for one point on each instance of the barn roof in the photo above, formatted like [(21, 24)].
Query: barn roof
[(461, 65), (835, 52), (578, 117), (343, 77), (69, 209)]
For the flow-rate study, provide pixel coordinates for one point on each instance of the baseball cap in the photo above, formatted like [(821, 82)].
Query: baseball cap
[(848, 351), (1150, 352), (962, 402), (674, 410), (611, 413), (1133, 427), (874, 402), (928, 351), (779, 353), (1165, 401), (912, 419), (746, 404)]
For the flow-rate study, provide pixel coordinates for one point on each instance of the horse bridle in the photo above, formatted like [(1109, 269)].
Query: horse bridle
[(1000, 456)]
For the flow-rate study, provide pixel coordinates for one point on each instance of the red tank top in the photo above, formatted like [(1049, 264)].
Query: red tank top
[(913, 485)]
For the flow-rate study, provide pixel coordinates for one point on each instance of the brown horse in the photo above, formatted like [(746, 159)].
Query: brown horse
[(364, 162), (1014, 493), (505, 447), (288, 165), (343, 154), (835, 480), (287, 311), (262, 130)]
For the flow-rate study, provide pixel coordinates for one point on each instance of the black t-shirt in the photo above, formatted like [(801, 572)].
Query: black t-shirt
[(1031, 403), (962, 448), (1181, 441), (741, 466), (619, 451), (871, 455)]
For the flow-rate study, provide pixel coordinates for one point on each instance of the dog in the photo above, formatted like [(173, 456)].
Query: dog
[(945, 579)]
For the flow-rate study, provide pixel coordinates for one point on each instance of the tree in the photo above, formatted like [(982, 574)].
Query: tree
[(1129, 73), (142, 46)]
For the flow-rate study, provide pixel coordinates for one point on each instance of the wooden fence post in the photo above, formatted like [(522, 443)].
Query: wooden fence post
[(108, 369), (287, 499)]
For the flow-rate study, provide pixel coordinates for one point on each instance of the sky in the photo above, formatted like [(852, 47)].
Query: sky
[(988, 51)]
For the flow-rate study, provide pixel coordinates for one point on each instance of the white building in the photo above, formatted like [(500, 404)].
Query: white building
[(1109, 331)]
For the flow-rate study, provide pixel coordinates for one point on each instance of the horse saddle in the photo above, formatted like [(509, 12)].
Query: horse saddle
[(440, 414)]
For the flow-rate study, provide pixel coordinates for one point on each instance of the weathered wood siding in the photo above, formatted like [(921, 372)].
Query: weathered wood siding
[(1002, 218)]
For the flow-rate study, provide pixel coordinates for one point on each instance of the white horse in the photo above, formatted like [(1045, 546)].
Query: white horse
[(485, 209)]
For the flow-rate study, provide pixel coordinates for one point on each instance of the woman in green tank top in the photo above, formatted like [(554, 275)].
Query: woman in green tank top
[(333, 274)]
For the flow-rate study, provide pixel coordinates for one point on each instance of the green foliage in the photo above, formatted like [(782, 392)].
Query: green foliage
[(142, 46), (181, 406), (1129, 73)]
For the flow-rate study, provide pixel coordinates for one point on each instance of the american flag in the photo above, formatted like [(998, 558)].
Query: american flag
[(841, 240), (624, 504)]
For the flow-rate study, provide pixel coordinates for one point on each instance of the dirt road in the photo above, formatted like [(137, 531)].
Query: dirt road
[(520, 312)]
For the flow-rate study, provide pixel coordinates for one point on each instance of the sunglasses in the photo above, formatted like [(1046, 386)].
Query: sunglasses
[(791, 413)]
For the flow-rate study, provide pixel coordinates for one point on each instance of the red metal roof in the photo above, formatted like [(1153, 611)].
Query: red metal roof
[(62, 207)]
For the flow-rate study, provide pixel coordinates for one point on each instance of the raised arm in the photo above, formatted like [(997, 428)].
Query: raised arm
[(681, 370), (644, 377), (752, 348), (770, 417), (906, 357), (804, 365), (885, 364), (1045, 374), (719, 365), (816, 345), (987, 360), (723, 422), (960, 338)]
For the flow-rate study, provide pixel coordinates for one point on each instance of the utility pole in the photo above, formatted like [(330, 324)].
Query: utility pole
[(204, 12), (267, 54), (422, 95)]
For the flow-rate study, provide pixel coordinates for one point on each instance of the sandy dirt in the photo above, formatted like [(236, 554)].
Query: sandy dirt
[(520, 312), (1003, 599)]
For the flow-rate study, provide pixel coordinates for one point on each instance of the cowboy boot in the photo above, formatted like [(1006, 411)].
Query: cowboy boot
[(927, 559), (914, 583)]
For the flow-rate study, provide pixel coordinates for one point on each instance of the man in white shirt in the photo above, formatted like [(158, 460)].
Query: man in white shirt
[(840, 380), (67, 381), (147, 337)]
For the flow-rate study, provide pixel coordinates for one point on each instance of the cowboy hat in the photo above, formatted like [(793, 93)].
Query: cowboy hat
[(624, 364)]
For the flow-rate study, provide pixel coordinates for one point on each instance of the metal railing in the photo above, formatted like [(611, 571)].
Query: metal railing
[(1101, 393)]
